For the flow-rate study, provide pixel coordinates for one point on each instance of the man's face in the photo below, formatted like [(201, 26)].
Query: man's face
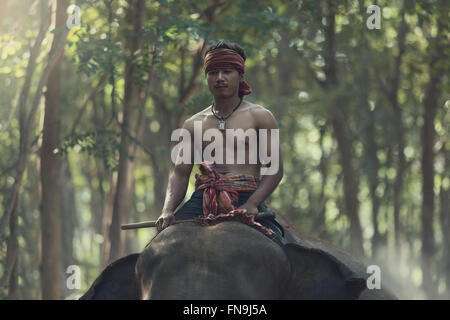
[(223, 82)]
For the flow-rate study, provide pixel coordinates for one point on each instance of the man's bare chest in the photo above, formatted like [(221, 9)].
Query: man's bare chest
[(238, 126), (239, 120)]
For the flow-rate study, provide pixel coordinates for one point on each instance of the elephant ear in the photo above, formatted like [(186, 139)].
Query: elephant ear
[(116, 282), (316, 275)]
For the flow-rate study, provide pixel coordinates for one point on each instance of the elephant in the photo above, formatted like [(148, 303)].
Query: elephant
[(231, 260)]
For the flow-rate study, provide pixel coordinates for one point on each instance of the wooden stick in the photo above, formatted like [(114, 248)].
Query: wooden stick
[(151, 224)]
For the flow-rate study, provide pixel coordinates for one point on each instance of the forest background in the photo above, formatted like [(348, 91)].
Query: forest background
[(89, 96)]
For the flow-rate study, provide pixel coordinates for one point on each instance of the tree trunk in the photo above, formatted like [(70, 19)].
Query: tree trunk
[(350, 182), (431, 100), (106, 222), (341, 132), (372, 175), (30, 231), (125, 179), (68, 218), (399, 172), (10, 276), (399, 129), (51, 270), (427, 231), (319, 225), (160, 143), (368, 130), (444, 195), (428, 245), (98, 194), (50, 171)]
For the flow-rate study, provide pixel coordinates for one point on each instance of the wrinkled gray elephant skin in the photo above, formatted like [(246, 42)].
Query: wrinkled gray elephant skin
[(232, 261), (224, 261)]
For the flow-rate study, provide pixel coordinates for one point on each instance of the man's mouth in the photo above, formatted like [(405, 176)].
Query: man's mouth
[(220, 86)]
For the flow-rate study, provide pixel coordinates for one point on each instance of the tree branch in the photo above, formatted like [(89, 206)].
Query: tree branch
[(310, 70), (101, 84)]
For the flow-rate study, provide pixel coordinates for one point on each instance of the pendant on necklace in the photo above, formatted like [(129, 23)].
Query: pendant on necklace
[(222, 125)]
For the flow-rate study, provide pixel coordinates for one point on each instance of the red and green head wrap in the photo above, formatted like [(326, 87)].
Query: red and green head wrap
[(227, 58)]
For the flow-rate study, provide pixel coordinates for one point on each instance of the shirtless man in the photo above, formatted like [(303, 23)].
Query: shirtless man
[(224, 69)]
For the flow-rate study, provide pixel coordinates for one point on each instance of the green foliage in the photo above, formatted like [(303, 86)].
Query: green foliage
[(96, 56), (102, 144)]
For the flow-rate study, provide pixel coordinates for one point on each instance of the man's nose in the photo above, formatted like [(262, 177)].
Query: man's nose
[(220, 75)]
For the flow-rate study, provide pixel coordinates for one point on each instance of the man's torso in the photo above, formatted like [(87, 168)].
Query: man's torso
[(243, 118)]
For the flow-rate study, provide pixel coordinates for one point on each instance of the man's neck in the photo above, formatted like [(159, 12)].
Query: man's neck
[(225, 105)]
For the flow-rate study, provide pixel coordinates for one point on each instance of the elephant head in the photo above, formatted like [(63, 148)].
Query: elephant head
[(224, 261), (229, 260)]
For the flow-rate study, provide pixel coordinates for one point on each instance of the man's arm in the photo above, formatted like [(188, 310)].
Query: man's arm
[(269, 182), (177, 185)]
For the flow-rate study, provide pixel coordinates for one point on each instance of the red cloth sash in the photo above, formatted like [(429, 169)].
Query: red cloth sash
[(221, 196)]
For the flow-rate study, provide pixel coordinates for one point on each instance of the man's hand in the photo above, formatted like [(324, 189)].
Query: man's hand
[(165, 220), (251, 208)]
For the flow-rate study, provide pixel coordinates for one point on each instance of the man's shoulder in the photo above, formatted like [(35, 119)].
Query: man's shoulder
[(258, 110), (263, 116), (196, 117)]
